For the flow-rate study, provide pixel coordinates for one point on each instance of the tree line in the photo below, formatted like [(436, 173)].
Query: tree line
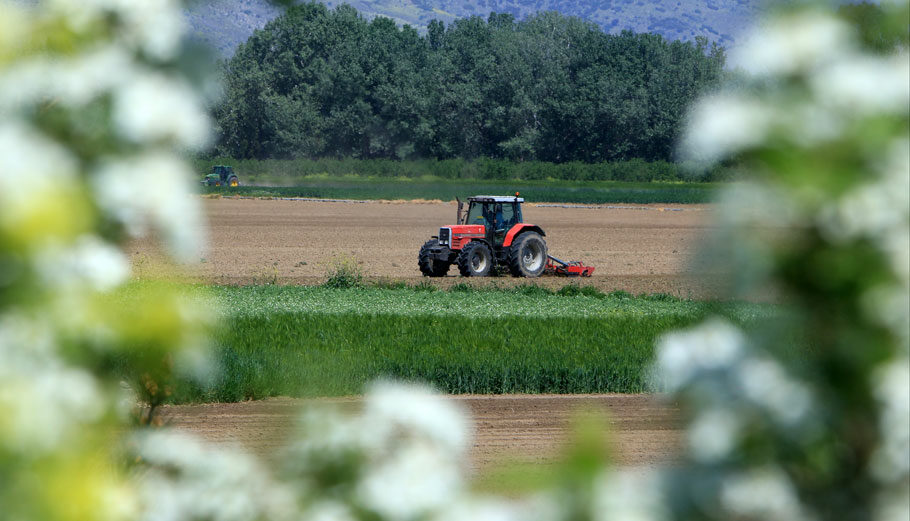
[(316, 82)]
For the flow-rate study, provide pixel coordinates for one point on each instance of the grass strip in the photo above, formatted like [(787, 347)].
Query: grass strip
[(311, 341)]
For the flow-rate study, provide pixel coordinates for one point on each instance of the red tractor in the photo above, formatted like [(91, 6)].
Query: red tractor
[(490, 235)]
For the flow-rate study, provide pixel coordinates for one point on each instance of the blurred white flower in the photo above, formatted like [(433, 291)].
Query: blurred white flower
[(480, 509), (713, 434), (154, 107), (158, 26), (811, 123), (757, 207), (712, 345), (724, 123), (393, 411), (764, 382), (792, 43), (153, 26), (326, 434), (765, 493), (896, 244), (41, 409), (891, 461), (890, 307), (328, 511), (860, 85), (26, 345), (867, 210), (184, 479), (413, 481), (72, 81), (90, 261), (30, 165), (628, 495), (152, 191)]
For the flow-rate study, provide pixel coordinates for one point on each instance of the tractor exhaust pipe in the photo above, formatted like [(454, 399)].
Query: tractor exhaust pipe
[(458, 216)]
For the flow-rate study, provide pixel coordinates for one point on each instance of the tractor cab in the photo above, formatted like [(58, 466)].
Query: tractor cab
[(496, 214)]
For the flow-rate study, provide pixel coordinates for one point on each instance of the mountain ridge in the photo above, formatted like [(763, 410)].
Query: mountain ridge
[(224, 24)]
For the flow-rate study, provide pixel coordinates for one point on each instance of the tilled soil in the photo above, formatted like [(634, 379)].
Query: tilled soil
[(643, 431), (636, 248)]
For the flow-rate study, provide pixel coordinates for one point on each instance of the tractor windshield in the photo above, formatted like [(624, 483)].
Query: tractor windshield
[(500, 215), (476, 214)]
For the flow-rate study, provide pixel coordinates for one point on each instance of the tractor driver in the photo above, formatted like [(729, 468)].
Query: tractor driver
[(499, 220)]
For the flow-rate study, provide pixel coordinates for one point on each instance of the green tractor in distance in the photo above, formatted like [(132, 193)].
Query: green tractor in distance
[(221, 176)]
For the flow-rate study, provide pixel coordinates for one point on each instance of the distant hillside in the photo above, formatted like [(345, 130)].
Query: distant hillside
[(226, 23)]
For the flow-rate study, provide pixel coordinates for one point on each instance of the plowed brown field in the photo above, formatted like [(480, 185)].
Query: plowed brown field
[(637, 248), (523, 428), (640, 249)]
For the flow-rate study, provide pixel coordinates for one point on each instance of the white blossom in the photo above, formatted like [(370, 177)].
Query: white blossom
[(394, 410), (414, 480), (764, 382), (324, 510), (713, 434), (90, 261), (154, 107), (891, 461), (153, 26), (890, 306), (30, 166), (152, 191), (792, 43), (721, 124), (629, 495), (860, 85), (71, 81), (765, 493), (810, 123), (757, 206), (871, 210), (484, 509), (712, 345), (186, 480), (26, 345), (41, 409)]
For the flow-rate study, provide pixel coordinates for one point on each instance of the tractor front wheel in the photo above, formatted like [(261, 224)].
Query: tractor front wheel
[(429, 265), (528, 255), (475, 260)]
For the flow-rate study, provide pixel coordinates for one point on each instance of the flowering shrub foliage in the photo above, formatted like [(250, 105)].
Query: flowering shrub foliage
[(93, 105), (822, 126), (94, 101)]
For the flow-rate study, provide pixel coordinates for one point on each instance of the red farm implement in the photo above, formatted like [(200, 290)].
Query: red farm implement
[(567, 269)]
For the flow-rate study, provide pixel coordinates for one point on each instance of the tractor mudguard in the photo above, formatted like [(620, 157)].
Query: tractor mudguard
[(521, 228)]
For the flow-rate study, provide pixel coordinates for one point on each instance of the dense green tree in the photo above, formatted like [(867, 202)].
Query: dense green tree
[(317, 82)]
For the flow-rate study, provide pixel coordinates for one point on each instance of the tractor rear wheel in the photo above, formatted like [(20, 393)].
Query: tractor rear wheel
[(429, 265), (475, 260), (233, 181), (528, 255)]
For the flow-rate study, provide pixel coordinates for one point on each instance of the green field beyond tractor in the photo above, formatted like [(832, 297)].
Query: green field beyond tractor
[(221, 176)]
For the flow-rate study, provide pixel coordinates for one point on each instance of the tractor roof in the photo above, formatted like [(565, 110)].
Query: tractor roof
[(496, 199)]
